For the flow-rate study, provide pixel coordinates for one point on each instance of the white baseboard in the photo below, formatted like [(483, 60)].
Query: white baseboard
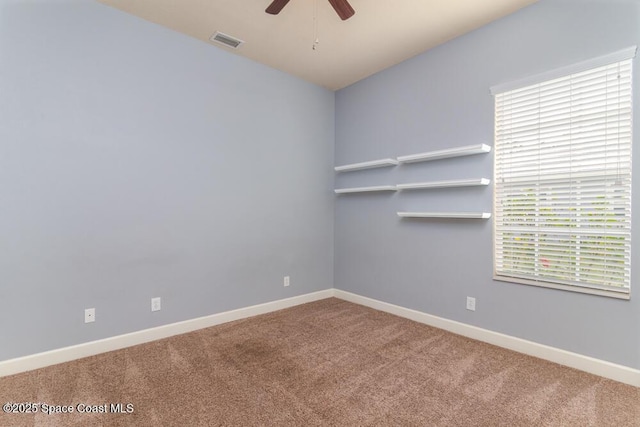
[(602, 368), (67, 354), (594, 366)]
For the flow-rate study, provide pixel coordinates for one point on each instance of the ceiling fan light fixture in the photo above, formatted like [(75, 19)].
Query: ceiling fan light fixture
[(226, 39)]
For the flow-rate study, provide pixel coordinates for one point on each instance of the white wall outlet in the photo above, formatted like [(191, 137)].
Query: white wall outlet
[(155, 304), (287, 281), (89, 315), (471, 303)]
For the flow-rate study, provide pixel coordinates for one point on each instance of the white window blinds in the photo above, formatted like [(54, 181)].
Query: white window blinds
[(563, 181)]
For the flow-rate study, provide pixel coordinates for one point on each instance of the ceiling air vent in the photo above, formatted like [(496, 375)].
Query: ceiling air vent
[(226, 40)]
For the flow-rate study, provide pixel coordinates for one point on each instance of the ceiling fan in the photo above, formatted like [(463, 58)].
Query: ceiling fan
[(342, 8)]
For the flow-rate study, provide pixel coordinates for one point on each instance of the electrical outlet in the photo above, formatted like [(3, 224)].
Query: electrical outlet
[(89, 315), (155, 304), (287, 281), (471, 303)]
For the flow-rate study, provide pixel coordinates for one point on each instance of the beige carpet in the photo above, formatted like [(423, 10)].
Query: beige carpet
[(327, 363)]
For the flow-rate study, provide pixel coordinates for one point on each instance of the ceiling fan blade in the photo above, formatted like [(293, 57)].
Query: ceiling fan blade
[(343, 9), (276, 6)]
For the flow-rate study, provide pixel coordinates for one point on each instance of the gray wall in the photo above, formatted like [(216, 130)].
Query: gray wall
[(441, 99), (136, 162)]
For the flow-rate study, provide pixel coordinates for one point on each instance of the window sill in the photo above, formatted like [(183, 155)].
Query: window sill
[(622, 294)]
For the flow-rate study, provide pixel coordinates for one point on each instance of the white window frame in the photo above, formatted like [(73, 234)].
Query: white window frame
[(539, 189)]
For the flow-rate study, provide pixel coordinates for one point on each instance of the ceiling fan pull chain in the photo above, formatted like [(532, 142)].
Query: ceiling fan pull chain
[(316, 40)]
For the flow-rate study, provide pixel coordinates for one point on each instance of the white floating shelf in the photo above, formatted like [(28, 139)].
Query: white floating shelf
[(443, 154), (365, 189), (442, 184), (367, 165), (458, 215)]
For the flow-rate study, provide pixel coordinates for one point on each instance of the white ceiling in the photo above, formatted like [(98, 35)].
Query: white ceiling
[(382, 33)]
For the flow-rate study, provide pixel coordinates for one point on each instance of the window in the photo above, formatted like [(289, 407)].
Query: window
[(562, 184)]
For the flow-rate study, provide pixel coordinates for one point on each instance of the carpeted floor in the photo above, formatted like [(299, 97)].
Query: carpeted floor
[(326, 363)]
